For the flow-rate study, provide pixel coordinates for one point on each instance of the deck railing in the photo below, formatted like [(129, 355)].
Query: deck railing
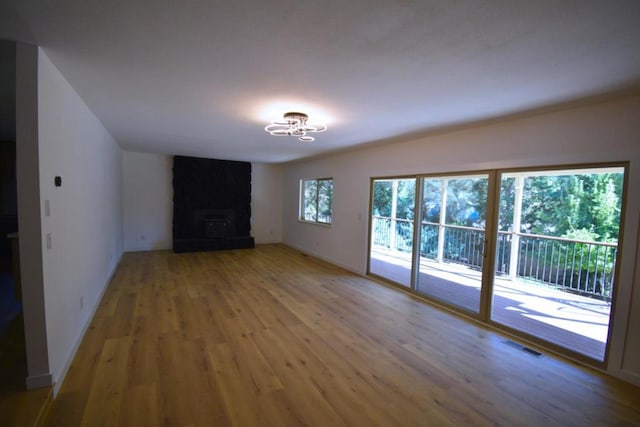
[(575, 265)]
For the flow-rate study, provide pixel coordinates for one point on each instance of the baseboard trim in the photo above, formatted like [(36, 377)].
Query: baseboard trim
[(628, 376), (38, 381), (325, 259)]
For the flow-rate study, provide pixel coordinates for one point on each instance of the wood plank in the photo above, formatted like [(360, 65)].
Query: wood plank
[(272, 337), (143, 407), (105, 392), (237, 391), (68, 409), (25, 408), (188, 392), (142, 364), (295, 368)]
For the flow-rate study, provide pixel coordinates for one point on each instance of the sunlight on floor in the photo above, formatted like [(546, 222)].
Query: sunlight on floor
[(575, 321)]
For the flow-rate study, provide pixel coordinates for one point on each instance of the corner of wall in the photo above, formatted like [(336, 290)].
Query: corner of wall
[(29, 220)]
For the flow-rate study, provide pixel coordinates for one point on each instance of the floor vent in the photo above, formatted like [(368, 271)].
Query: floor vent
[(523, 348)]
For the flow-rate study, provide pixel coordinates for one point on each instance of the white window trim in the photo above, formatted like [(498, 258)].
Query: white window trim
[(301, 201)]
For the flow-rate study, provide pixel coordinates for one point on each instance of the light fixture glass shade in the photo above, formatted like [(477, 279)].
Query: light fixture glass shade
[(295, 124)]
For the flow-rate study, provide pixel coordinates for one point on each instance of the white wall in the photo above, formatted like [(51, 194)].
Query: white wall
[(266, 202), (607, 131), (148, 202), (85, 221)]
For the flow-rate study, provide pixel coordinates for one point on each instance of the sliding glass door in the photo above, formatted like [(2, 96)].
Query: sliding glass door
[(452, 239), (556, 255), (531, 251), (391, 245)]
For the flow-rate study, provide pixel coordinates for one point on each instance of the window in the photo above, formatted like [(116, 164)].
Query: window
[(316, 198)]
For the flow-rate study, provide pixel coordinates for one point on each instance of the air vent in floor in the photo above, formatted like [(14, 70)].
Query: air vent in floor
[(523, 348)]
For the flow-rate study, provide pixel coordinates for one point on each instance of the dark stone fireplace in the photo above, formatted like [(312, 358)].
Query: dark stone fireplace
[(211, 204)]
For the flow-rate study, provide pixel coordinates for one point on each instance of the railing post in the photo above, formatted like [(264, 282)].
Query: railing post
[(442, 220), (515, 236), (394, 211)]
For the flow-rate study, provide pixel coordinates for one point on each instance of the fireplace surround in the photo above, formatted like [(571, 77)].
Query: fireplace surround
[(211, 204)]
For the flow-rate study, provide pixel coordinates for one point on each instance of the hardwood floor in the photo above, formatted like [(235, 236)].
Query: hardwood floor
[(576, 322), (272, 337), (25, 408)]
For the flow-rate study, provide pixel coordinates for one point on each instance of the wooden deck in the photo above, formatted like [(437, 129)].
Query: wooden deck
[(572, 321)]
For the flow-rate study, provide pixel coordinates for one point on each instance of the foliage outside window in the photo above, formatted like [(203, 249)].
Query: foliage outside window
[(316, 200), (580, 206)]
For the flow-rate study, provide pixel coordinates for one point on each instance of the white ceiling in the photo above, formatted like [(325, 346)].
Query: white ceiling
[(197, 77)]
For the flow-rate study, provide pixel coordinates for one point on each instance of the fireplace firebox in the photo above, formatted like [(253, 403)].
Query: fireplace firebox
[(214, 223), (215, 228)]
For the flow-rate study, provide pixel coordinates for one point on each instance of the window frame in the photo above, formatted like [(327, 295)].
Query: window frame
[(302, 201), (493, 211)]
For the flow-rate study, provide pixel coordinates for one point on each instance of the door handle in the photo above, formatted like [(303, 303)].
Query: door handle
[(481, 247)]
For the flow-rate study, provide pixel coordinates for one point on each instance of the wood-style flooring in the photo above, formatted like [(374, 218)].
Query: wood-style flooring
[(575, 322), (269, 336)]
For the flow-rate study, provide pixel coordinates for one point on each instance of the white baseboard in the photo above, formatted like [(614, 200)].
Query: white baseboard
[(630, 377), (63, 373), (326, 259), (162, 246), (38, 381), (268, 242)]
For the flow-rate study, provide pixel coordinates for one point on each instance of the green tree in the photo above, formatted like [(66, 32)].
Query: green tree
[(606, 206), (310, 195), (544, 210), (325, 200), (567, 204), (431, 199), (467, 202), (406, 198), (507, 202), (382, 196)]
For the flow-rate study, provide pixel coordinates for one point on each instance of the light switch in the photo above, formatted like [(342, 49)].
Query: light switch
[(47, 211)]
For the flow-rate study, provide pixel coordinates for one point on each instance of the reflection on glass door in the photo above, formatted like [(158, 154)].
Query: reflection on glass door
[(391, 247), (556, 255), (452, 239)]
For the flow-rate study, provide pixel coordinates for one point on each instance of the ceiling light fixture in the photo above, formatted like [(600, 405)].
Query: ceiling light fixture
[(295, 124)]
